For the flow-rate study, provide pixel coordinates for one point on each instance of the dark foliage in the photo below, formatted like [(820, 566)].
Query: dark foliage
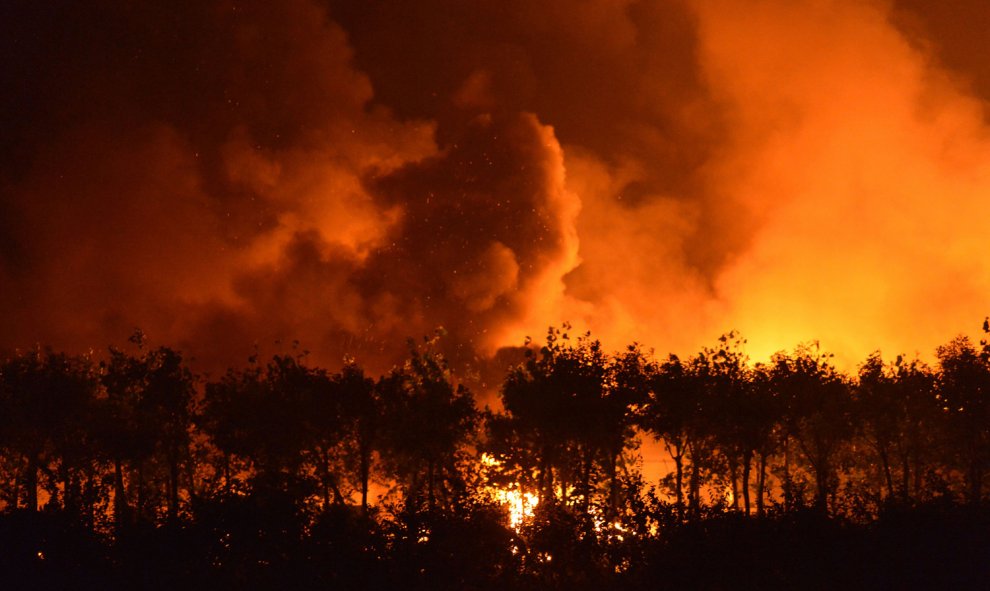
[(134, 473)]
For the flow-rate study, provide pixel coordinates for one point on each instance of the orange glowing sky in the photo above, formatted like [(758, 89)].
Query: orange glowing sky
[(348, 174)]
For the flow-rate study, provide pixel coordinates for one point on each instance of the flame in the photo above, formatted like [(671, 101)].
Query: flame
[(519, 504)]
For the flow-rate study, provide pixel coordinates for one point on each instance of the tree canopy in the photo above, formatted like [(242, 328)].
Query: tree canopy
[(283, 469)]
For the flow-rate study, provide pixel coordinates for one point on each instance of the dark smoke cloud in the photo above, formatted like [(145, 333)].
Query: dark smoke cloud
[(217, 175), (478, 231), (487, 227), (349, 174), (173, 152), (618, 79)]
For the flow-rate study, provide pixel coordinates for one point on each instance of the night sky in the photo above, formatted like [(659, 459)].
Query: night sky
[(349, 174)]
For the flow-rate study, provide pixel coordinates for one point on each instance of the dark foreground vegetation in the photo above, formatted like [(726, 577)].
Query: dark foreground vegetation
[(131, 472)]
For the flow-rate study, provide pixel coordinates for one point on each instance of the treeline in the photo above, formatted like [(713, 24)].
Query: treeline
[(132, 471)]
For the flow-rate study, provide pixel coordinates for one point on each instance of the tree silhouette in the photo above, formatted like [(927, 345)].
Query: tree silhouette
[(900, 415), (427, 421), (45, 399), (740, 415), (761, 423), (964, 391), (817, 411), (670, 414), (629, 390), (119, 475), (168, 397), (285, 419), (568, 418), (145, 424), (362, 414), (532, 421)]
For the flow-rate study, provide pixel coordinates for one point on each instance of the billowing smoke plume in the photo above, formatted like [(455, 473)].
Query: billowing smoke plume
[(349, 174), (220, 177), (866, 168)]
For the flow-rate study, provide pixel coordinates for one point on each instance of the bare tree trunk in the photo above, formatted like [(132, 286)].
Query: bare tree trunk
[(821, 468), (787, 485), (975, 480), (64, 478), (89, 495), (546, 477), (330, 484), (747, 464), (71, 492), (586, 482), (31, 483), (761, 480), (734, 479), (905, 476), (821, 492), (193, 487), (918, 472), (14, 488), (365, 469), (563, 476), (173, 486), (694, 486), (226, 473), (679, 484), (325, 468), (885, 464), (613, 486), (140, 501), (119, 496), (430, 499)]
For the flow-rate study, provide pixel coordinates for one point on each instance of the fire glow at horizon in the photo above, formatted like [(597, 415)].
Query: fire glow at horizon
[(349, 175)]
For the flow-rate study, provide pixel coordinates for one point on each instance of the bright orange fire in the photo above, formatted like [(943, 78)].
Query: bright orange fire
[(518, 503)]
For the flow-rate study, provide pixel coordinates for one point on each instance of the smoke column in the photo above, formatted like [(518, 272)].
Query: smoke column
[(347, 175)]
